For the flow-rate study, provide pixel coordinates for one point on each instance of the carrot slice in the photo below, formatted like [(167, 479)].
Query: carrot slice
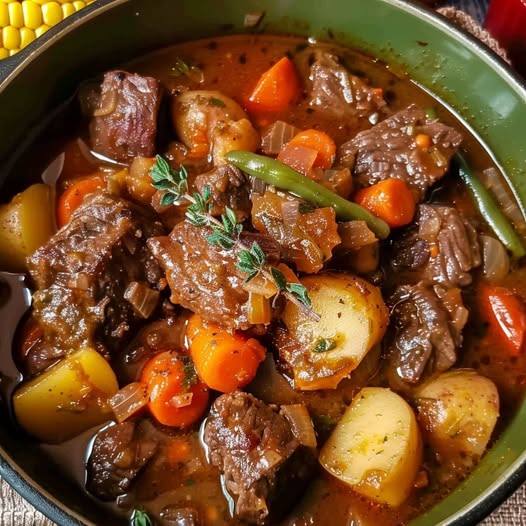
[(276, 89), (176, 396), (72, 198), (390, 200), (505, 314), (224, 361)]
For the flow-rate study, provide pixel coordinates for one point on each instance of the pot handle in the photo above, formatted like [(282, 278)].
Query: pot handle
[(9, 64)]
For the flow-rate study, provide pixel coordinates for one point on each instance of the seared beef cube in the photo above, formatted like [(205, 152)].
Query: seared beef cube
[(265, 468), (443, 250), (338, 94), (117, 457), (81, 274), (125, 124), (389, 149), (427, 327), (229, 187), (204, 278)]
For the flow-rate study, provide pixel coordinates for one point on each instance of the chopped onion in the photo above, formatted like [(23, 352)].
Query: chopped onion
[(300, 423), (299, 158), (107, 104), (79, 281), (439, 158), (258, 185), (182, 400), (355, 234), (130, 399), (142, 298), (494, 182), (259, 309), (261, 286), (268, 459), (275, 136), (253, 18), (290, 211), (495, 259)]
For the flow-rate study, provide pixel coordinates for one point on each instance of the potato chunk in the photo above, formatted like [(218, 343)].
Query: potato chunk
[(376, 447), (457, 412), (26, 223), (353, 319), (67, 399)]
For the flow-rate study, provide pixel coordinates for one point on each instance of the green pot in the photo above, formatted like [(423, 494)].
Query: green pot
[(465, 75)]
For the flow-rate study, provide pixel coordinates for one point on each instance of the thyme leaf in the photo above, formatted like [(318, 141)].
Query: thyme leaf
[(218, 103), (173, 182), (324, 345), (140, 518)]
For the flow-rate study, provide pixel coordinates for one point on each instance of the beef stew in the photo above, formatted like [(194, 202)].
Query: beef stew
[(154, 278)]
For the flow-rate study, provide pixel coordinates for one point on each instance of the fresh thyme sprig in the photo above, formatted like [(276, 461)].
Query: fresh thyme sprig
[(226, 232), (173, 182)]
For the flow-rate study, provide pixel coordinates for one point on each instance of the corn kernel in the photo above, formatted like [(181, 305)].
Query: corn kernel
[(39, 31), (67, 9), (16, 18), (13, 52), (32, 14), (4, 15), (41, 2), (26, 36), (11, 38), (78, 4), (3, 53), (51, 13)]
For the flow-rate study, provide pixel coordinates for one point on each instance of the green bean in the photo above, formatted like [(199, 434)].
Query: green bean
[(281, 176), (489, 208)]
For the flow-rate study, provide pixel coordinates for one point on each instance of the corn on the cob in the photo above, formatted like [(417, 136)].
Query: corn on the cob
[(23, 21)]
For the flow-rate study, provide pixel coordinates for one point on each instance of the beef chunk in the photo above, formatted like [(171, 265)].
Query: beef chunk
[(389, 150), (338, 94), (204, 278), (264, 466), (119, 454), (81, 274), (443, 249), (124, 125), (427, 327), (229, 187)]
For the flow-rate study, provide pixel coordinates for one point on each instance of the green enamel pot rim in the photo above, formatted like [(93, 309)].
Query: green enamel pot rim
[(504, 468)]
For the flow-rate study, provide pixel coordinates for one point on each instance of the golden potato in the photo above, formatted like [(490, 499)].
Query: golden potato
[(67, 399), (376, 447), (458, 411), (26, 223), (353, 319)]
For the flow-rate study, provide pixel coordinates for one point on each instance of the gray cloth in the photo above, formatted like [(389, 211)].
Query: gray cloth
[(15, 511)]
